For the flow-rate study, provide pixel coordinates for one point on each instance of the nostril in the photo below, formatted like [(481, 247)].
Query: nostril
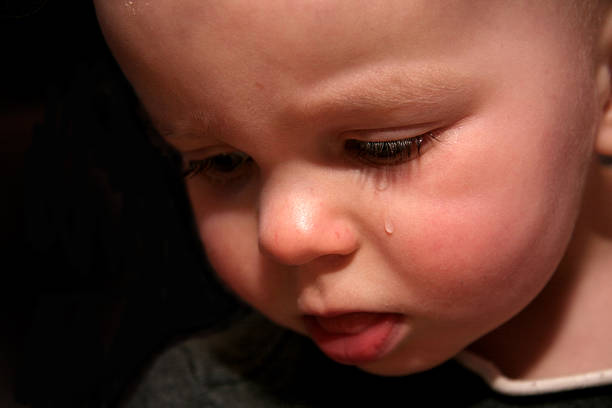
[(296, 247), (334, 262)]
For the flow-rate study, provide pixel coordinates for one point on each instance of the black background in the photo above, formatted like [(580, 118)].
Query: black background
[(101, 263)]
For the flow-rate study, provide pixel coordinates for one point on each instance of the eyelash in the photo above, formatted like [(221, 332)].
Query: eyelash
[(218, 168), (388, 153), (226, 167)]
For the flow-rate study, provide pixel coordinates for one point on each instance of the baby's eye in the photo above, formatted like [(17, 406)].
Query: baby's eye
[(222, 167), (389, 152)]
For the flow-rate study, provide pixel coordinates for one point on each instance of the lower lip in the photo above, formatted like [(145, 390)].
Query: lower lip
[(355, 338)]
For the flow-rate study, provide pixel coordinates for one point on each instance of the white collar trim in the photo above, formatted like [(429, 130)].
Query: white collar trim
[(504, 385)]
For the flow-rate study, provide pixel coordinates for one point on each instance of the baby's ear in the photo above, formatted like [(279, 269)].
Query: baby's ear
[(603, 144)]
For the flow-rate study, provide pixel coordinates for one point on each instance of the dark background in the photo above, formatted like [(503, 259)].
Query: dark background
[(101, 264)]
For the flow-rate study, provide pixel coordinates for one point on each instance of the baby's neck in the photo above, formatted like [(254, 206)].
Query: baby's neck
[(567, 329)]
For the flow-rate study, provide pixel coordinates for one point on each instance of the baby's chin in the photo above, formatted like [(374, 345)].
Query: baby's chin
[(407, 359), (402, 366)]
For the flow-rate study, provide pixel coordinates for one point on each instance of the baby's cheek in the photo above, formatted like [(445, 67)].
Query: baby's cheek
[(224, 233), (230, 241), (225, 250), (225, 237), (476, 254)]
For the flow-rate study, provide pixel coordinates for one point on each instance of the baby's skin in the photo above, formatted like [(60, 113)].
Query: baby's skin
[(398, 180)]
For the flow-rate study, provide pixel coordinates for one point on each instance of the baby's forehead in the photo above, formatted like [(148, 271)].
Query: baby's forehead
[(317, 14), (222, 57), (296, 26), (287, 30)]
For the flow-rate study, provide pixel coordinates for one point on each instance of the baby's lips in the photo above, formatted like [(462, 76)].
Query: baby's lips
[(349, 323), (355, 338)]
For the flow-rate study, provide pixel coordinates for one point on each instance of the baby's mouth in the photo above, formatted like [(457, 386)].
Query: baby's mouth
[(354, 338)]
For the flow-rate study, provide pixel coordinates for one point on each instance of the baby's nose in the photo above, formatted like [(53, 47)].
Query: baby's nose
[(298, 224)]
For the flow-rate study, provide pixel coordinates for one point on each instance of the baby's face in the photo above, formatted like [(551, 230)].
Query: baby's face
[(394, 179)]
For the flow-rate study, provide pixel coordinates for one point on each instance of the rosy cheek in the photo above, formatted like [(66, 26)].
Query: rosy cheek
[(468, 244), (462, 267)]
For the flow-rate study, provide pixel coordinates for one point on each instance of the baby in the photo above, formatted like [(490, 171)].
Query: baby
[(401, 181)]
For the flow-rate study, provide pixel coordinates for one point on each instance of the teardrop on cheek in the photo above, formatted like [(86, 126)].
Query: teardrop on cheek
[(382, 183), (389, 228)]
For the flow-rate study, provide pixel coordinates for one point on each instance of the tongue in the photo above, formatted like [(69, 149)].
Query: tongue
[(350, 323)]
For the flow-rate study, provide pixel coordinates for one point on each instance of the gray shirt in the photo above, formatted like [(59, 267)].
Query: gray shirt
[(255, 364)]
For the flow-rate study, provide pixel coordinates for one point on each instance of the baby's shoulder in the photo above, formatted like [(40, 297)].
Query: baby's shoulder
[(254, 363), (251, 363)]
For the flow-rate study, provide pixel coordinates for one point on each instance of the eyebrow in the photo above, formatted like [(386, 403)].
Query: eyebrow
[(186, 133), (350, 94), (196, 124), (387, 91)]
